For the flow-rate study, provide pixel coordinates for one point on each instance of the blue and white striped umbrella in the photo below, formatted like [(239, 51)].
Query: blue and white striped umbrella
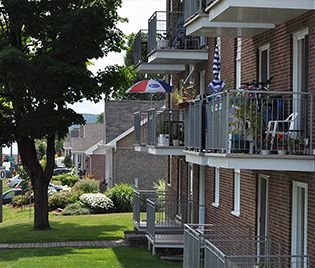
[(217, 84)]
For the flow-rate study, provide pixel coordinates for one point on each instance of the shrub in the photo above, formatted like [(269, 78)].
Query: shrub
[(67, 161), (75, 209), (58, 200), (98, 203), (86, 186), (66, 179), (122, 196), (22, 200)]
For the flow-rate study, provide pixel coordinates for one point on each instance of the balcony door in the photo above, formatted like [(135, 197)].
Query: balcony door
[(300, 75), (264, 70), (299, 224)]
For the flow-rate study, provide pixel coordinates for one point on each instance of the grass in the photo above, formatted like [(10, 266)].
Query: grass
[(5, 186), (67, 257), (17, 227)]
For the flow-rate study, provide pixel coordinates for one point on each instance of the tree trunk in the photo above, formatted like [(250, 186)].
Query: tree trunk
[(39, 178), (40, 187)]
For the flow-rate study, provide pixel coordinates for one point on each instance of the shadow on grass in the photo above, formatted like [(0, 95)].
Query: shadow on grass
[(23, 232), (140, 257)]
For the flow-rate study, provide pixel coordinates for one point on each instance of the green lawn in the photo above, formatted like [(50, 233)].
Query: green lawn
[(67, 257), (5, 186), (17, 227)]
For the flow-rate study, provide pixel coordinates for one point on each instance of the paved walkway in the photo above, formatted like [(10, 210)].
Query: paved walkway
[(70, 244)]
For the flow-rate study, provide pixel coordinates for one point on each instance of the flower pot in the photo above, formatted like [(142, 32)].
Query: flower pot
[(175, 142), (163, 140), (282, 152), (162, 43), (265, 152)]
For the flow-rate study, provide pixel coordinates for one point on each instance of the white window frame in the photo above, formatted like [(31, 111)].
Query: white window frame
[(295, 185), (237, 193), (263, 48), (216, 202), (238, 63)]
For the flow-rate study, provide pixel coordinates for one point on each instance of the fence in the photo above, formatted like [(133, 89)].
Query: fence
[(140, 50)]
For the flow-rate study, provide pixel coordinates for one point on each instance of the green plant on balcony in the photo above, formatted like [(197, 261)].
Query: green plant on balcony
[(296, 145)]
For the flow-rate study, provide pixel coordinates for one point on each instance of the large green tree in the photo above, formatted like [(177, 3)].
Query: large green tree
[(45, 46)]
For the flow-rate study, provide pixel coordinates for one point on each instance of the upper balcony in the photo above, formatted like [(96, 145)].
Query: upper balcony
[(168, 42), (256, 130), (239, 18), (160, 132), (140, 58)]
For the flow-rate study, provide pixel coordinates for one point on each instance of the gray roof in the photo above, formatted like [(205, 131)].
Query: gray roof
[(90, 134), (119, 115)]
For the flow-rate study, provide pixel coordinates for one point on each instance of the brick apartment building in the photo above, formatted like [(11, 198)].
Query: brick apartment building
[(223, 166)]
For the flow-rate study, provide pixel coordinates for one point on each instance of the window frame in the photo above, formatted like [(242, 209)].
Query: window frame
[(237, 193)]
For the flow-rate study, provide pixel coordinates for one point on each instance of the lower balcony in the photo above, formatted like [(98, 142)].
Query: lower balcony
[(231, 246), (255, 130), (160, 132)]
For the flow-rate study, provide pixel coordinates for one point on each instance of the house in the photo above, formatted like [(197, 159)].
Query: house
[(247, 161), (108, 153)]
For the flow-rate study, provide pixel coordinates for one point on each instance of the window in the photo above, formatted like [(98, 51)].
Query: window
[(216, 188), (237, 193), (203, 41), (238, 62), (264, 63)]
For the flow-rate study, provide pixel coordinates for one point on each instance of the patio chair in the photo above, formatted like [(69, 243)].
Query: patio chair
[(285, 127)]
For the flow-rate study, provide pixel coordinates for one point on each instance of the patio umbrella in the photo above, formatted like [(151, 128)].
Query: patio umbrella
[(150, 86), (217, 84)]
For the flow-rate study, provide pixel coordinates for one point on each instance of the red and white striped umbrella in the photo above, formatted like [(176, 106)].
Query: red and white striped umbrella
[(150, 86)]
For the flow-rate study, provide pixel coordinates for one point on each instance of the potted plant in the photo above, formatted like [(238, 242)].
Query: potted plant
[(265, 145), (297, 145), (281, 144)]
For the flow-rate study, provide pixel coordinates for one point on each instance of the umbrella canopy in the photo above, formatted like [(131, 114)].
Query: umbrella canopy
[(217, 84), (150, 86)]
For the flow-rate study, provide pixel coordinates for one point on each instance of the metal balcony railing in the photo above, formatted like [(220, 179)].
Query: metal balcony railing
[(167, 31), (140, 50), (139, 205), (260, 122), (252, 122), (166, 127), (167, 217), (194, 136), (229, 246), (194, 7), (141, 129)]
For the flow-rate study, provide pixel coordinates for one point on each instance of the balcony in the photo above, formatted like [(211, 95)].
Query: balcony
[(229, 246), (238, 18), (168, 42), (140, 59), (255, 130), (160, 132), (166, 219)]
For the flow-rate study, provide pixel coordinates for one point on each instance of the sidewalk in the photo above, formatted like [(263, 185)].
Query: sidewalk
[(70, 244)]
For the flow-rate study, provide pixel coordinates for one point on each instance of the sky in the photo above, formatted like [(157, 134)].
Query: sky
[(138, 12)]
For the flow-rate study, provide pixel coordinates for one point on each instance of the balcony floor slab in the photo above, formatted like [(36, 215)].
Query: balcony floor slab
[(166, 150), (302, 163), (177, 56), (196, 158), (146, 68), (140, 148), (267, 11)]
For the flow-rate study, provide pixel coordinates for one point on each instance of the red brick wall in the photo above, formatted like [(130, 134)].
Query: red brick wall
[(98, 167)]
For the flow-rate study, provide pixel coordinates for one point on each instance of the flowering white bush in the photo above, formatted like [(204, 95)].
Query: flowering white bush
[(97, 202)]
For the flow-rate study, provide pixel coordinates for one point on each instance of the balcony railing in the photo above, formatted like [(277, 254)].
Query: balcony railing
[(166, 30), (139, 204), (166, 127), (140, 47), (229, 246), (166, 217), (194, 7), (141, 130), (256, 122)]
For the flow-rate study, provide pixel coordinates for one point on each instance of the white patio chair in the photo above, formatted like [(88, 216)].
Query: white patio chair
[(273, 127)]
